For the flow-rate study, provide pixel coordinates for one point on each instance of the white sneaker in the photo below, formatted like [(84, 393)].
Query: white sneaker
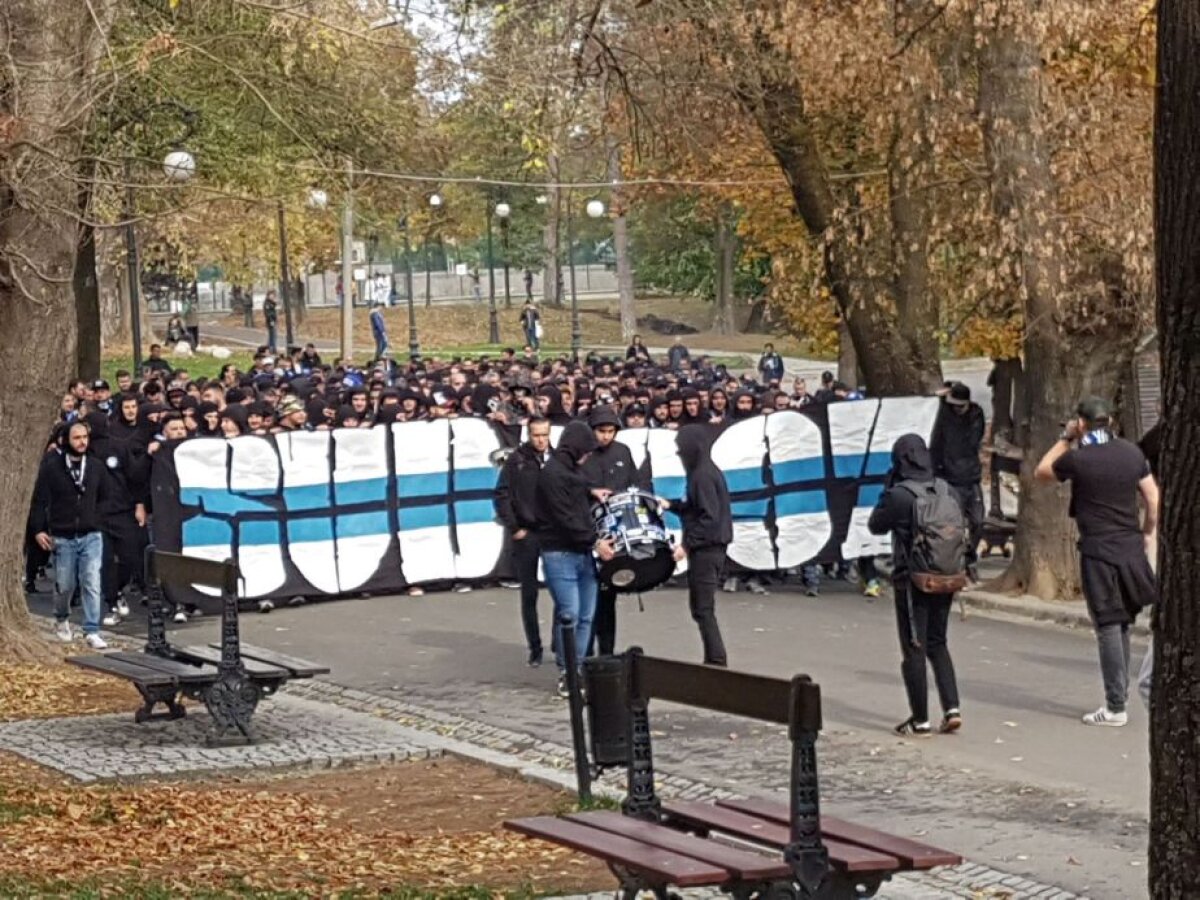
[(730, 586), (510, 585), (265, 606), (122, 607), (62, 631), (96, 642), (1102, 716), (180, 616), (463, 589), (110, 620)]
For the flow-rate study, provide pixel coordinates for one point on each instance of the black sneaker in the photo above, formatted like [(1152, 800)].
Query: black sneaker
[(535, 658), (913, 728)]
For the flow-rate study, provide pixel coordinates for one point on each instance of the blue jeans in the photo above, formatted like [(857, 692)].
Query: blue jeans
[(271, 339), (77, 562), (571, 578)]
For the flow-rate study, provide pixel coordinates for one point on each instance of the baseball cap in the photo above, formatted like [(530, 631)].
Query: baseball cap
[(290, 404), (960, 394), (1093, 409), (100, 385)]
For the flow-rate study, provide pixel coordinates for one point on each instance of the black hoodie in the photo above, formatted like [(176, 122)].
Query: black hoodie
[(564, 503), (555, 413), (516, 490), (611, 466), (707, 520), (910, 462), (955, 445)]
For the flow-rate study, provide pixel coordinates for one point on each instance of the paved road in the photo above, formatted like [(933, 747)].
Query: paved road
[(1025, 787)]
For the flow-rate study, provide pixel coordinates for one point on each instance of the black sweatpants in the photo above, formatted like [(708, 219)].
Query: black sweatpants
[(124, 556), (922, 621), (970, 498), (525, 560), (703, 576)]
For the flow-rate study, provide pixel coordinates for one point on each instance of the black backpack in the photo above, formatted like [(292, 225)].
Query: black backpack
[(937, 558)]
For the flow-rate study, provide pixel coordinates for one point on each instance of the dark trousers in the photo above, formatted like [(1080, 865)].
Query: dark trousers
[(124, 555), (193, 333), (923, 620), (604, 626), (525, 561), (970, 498), (703, 576)]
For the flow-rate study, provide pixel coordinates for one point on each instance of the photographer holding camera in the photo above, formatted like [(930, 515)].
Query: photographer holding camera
[(1107, 475)]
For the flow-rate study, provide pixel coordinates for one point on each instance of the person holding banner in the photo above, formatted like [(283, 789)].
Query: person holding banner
[(568, 537)]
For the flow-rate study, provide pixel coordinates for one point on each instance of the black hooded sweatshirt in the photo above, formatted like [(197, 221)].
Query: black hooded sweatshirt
[(556, 414), (563, 502), (707, 520), (516, 490), (955, 445), (126, 471), (612, 466), (910, 462)]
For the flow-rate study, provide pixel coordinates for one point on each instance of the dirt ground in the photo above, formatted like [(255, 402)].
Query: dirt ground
[(45, 691)]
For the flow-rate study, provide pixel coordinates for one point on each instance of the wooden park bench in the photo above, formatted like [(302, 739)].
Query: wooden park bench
[(228, 677), (747, 848)]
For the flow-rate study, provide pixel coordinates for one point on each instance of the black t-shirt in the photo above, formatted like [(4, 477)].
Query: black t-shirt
[(1104, 496)]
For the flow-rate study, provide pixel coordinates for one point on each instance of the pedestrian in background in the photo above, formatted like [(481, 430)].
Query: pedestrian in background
[(271, 317), (957, 439)]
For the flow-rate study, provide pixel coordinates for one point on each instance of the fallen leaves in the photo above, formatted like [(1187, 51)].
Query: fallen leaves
[(46, 691)]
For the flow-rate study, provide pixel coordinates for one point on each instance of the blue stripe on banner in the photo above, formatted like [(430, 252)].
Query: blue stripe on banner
[(308, 530), (428, 484), (748, 509), (673, 487), (307, 496), (415, 517), (362, 525), (672, 521), (869, 494), (848, 465), (800, 503), (794, 470), (258, 534), (202, 531), (739, 480), (476, 479), (366, 490), (222, 500), (472, 512), (879, 463)]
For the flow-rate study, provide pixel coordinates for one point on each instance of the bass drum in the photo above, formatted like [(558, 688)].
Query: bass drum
[(644, 557)]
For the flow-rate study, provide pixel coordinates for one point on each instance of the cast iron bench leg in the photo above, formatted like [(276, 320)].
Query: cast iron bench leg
[(231, 701), (152, 696)]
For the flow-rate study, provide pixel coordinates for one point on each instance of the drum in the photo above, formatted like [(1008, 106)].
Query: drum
[(644, 557)]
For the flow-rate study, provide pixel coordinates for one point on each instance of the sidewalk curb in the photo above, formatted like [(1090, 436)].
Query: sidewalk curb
[(1066, 614)]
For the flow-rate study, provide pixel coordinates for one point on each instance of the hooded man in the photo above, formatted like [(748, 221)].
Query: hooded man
[(707, 533), (609, 470), (567, 537), (923, 619), (550, 405), (957, 437)]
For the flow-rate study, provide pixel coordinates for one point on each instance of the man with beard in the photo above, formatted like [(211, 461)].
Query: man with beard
[(609, 470), (567, 538), (516, 508), (66, 522), (707, 533)]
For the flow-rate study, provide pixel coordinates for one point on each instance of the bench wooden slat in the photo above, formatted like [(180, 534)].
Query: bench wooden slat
[(844, 856), (182, 672), (300, 668), (139, 674), (662, 866), (914, 854), (208, 655), (742, 864)]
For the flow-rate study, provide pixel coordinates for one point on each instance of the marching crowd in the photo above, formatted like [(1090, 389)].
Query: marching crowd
[(92, 505)]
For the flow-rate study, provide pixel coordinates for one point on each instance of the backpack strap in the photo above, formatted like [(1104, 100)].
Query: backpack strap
[(917, 488)]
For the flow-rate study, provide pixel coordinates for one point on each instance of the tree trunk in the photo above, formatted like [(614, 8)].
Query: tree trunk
[(725, 251), (552, 264), (1174, 725), (620, 226), (86, 287), (114, 296), (52, 92), (847, 363), (1005, 373)]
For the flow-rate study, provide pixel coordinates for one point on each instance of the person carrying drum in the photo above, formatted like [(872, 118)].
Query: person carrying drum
[(707, 532), (609, 470), (567, 537), (516, 508)]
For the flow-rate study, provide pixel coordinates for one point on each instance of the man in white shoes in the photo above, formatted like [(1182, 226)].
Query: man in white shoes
[(66, 522), (1107, 476)]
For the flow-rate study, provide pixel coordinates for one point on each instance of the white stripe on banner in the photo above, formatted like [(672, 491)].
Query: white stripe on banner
[(480, 536), (422, 483), (304, 457), (360, 477), (254, 473), (801, 516), (740, 453)]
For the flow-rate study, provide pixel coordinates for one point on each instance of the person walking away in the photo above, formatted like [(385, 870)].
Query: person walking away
[(476, 286), (271, 317), (1107, 475), (929, 536), (66, 523), (379, 331), (678, 354), (567, 538), (707, 533), (529, 285), (609, 470), (516, 508), (637, 351), (531, 324), (957, 439), (770, 365), (191, 321)]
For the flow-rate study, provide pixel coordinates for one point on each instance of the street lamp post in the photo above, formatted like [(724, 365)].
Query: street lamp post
[(435, 205), (285, 289), (575, 329), (504, 211), (414, 346), (493, 321)]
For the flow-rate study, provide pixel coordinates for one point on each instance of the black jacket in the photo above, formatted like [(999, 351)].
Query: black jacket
[(564, 504), (58, 508), (956, 442), (612, 467), (894, 511), (125, 468), (516, 490), (707, 520)]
